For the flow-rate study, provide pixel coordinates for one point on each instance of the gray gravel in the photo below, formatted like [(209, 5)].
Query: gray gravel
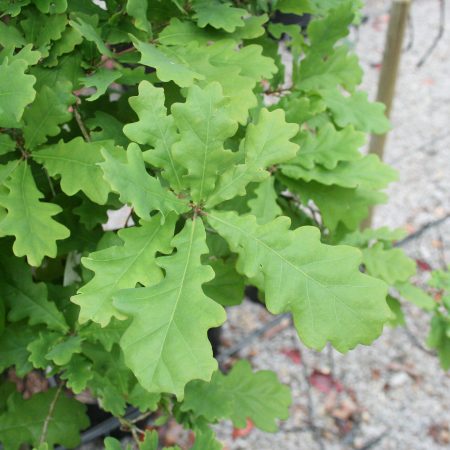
[(399, 394)]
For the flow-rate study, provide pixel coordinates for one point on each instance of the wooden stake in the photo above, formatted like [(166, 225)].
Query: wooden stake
[(389, 70)]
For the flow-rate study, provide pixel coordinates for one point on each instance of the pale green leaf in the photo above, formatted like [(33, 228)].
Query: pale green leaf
[(16, 92), (416, 296), (121, 267), (356, 110), (367, 172), (321, 285), (76, 162), (204, 126), (264, 206), (166, 345), (390, 265), (218, 15), (266, 143), (29, 219), (240, 395), (169, 65), (157, 129), (136, 187)]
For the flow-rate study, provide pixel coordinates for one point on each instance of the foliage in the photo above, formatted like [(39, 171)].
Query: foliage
[(232, 175)]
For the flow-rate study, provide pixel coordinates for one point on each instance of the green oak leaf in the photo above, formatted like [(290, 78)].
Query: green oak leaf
[(264, 205), (157, 129), (10, 36), (77, 373), (227, 287), (40, 346), (168, 64), (7, 144), (76, 162), (90, 33), (328, 147), (204, 126), (325, 33), (138, 10), (16, 91), (336, 204), (218, 15), (356, 110), (137, 187), (120, 267), (330, 299), (366, 172), (416, 296), (51, 6), (240, 395), (266, 143), (44, 117), (25, 298), (166, 345), (100, 79), (63, 351), (70, 38), (29, 219), (13, 348), (23, 424), (390, 265), (27, 54), (341, 68)]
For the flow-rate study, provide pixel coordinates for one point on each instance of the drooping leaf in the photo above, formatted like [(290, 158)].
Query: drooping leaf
[(166, 345), (121, 267), (266, 143), (76, 162), (330, 299), (16, 92), (29, 219), (157, 129), (204, 126), (138, 188), (23, 424)]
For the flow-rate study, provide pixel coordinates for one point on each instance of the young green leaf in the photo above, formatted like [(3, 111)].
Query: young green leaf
[(136, 187), (218, 15), (330, 299), (76, 162), (166, 345), (204, 126), (157, 129), (121, 267), (16, 91), (29, 219)]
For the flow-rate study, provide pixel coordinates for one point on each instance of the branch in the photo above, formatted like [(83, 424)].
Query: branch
[(50, 414), (438, 36)]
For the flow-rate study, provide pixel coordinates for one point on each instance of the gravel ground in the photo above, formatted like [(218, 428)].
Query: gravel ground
[(392, 395)]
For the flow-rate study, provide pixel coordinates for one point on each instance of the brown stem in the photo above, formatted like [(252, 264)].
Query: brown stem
[(50, 415), (80, 123)]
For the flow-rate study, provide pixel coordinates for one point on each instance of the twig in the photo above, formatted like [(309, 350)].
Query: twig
[(50, 414), (80, 123), (371, 444), (438, 36), (420, 231)]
